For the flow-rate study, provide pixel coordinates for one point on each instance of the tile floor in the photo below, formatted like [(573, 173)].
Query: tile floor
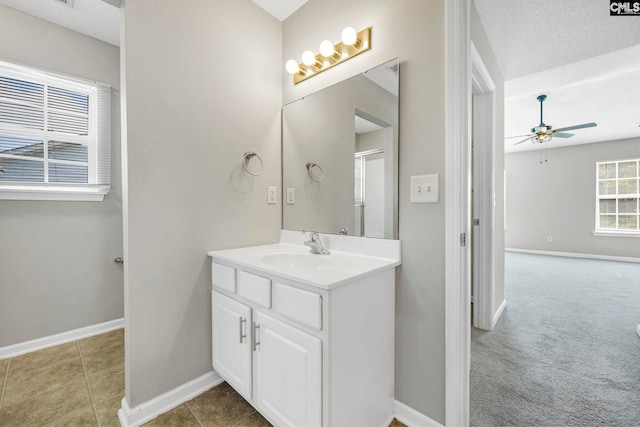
[(82, 383)]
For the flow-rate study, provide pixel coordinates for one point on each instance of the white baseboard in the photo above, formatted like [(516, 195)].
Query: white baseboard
[(145, 412), (61, 338), (496, 316), (575, 255), (411, 417)]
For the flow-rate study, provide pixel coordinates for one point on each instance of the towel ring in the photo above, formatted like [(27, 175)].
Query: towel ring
[(245, 163), (313, 177)]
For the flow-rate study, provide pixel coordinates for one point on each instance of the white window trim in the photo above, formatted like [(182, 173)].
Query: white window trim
[(54, 192), (606, 232), (612, 233), (61, 191)]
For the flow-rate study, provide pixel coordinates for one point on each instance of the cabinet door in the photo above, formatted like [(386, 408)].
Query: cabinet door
[(288, 373), (232, 342)]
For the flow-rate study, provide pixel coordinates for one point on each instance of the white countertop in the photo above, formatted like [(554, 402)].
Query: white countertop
[(295, 262)]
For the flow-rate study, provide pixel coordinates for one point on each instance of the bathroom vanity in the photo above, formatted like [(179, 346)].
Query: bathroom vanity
[(308, 339)]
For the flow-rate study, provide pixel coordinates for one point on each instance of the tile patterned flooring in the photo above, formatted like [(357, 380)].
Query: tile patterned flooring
[(82, 383)]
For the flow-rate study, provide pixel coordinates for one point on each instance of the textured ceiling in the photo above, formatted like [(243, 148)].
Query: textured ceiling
[(528, 36), (94, 18)]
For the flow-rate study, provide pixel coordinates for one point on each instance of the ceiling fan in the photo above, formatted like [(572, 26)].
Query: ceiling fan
[(543, 133)]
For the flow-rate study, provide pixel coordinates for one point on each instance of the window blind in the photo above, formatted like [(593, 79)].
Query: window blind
[(53, 130)]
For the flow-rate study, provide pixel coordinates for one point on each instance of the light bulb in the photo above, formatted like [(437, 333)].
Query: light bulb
[(327, 49), (349, 36), (308, 58), (292, 66)]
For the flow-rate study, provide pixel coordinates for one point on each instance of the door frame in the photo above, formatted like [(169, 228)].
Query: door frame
[(483, 129), (457, 211)]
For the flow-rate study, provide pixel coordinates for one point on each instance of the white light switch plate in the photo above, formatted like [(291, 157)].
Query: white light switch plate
[(271, 195), (291, 196), (424, 188)]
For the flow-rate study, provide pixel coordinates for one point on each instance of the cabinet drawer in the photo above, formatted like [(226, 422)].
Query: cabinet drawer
[(254, 288), (298, 304), (223, 277)]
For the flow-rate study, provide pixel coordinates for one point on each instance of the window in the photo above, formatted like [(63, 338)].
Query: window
[(54, 136), (618, 195)]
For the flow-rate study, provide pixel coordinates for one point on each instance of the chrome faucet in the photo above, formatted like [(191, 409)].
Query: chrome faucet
[(316, 244)]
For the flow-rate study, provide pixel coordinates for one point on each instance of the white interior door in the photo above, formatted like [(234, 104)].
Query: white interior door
[(288, 373), (483, 119), (232, 342)]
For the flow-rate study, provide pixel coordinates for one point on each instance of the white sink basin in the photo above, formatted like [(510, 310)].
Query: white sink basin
[(297, 260), (350, 259)]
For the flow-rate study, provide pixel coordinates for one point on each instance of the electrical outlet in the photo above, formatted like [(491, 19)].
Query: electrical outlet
[(549, 239), (291, 196), (271, 195)]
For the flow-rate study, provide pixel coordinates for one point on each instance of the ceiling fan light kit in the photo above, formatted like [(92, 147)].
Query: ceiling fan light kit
[(545, 133)]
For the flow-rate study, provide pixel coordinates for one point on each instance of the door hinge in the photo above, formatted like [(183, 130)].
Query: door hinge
[(463, 239)]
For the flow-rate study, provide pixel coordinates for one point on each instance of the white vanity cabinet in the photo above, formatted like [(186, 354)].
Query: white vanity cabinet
[(288, 373), (303, 351), (288, 362), (231, 321)]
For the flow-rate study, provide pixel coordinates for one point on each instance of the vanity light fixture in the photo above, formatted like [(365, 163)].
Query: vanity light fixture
[(328, 50), (293, 67), (349, 36), (310, 60), (353, 43)]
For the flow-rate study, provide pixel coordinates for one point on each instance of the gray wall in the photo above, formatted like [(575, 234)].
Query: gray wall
[(56, 258), (203, 86), (370, 140), (557, 198), (412, 30), (480, 41)]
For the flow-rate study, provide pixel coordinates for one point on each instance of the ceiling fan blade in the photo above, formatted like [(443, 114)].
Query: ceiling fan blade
[(562, 135), (524, 140), (519, 136), (582, 126)]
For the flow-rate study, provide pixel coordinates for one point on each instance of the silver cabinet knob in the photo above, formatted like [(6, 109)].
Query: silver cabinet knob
[(119, 260)]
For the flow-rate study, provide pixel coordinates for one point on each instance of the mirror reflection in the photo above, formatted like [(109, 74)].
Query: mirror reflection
[(340, 157)]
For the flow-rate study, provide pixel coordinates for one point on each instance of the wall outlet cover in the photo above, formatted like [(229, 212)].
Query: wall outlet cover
[(271, 195), (291, 196), (424, 188)]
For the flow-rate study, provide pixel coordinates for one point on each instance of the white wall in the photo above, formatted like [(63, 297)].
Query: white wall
[(203, 86), (56, 258), (557, 198), (412, 30)]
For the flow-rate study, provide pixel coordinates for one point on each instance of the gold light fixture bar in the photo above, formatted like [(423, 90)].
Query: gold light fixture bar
[(362, 44)]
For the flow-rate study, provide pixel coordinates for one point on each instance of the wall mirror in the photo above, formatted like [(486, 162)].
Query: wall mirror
[(340, 157)]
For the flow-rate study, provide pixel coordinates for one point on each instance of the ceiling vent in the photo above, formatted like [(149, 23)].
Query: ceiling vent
[(68, 3)]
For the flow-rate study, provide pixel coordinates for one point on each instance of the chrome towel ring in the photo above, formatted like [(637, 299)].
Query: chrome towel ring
[(246, 159), (316, 176)]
